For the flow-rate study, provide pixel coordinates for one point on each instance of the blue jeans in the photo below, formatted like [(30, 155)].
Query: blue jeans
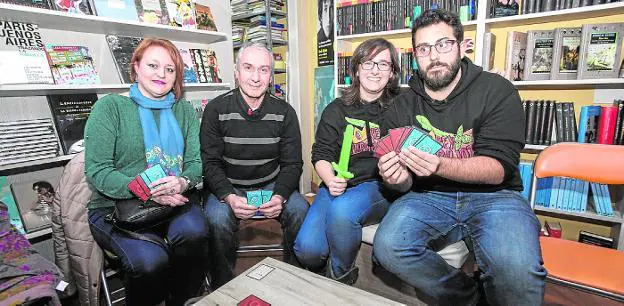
[(500, 228), (223, 226), (333, 226), (151, 273)]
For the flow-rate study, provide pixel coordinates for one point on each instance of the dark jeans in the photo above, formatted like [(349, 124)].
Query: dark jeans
[(501, 228), (223, 226), (151, 274)]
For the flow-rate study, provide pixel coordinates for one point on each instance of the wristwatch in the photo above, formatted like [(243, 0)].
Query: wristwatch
[(188, 182)]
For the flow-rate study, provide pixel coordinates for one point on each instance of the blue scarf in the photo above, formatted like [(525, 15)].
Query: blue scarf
[(164, 147)]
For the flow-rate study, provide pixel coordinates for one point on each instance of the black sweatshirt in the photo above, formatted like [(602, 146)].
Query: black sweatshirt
[(365, 119), (248, 149), (482, 116)]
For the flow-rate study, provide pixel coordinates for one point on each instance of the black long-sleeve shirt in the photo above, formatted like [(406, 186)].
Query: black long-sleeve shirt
[(482, 116), (365, 119), (247, 149)]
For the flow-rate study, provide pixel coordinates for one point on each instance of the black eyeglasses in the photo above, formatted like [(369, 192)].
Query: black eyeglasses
[(382, 66), (442, 46)]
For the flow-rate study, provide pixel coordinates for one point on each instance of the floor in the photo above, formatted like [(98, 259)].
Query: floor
[(252, 232)]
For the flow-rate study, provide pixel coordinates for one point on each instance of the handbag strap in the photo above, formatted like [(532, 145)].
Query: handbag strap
[(164, 243)]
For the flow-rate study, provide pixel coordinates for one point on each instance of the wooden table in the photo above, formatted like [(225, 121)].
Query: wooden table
[(279, 283)]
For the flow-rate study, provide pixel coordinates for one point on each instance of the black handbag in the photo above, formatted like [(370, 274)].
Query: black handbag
[(136, 215)]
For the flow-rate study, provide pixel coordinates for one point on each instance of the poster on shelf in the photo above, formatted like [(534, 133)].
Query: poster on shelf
[(324, 90), (325, 34)]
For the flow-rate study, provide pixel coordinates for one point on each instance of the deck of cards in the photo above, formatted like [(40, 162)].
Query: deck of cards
[(140, 185), (399, 139), (258, 197)]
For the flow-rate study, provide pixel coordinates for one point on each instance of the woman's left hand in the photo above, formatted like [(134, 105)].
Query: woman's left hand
[(168, 185)]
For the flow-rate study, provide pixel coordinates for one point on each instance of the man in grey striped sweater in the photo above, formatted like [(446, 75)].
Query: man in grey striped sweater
[(250, 140)]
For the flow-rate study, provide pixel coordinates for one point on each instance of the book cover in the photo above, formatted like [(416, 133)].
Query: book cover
[(190, 71), (122, 48), (34, 198), (23, 58), (515, 55), (207, 60), (152, 11), (42, 4), (6, 199), (72, 65), (539, 52), (324, 90), (566, 54), (117, 9), (606, 124), (595, 239), (588, 124), (205, 19), (80, 7), (504, 8), (181, 13), (199, 105), (70, 116), (488, 51), (601, 50)]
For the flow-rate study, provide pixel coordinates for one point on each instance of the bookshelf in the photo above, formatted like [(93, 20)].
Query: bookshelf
[(581, 92), (270, 9), (29, 101)]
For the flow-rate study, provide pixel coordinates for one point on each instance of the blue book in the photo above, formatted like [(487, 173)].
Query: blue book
[(585, 198), (554, 193), (588, 124), (116, 9)]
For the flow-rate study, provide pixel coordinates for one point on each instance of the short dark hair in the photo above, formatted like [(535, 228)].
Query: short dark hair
[(43, 184), (320, 7), (365, 52), (430, 17)]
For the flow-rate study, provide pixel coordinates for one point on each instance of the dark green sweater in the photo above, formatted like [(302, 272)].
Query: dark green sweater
[(114, 149)]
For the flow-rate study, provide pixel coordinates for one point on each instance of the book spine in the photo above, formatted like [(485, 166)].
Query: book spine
[(618, 121), (550, 122), (606, 124), (530, 121), (539, 117)]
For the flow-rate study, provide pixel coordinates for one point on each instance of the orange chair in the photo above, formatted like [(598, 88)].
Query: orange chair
[(588, 270)]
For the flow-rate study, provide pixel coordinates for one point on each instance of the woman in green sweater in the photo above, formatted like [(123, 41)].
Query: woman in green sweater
[(125, 135)]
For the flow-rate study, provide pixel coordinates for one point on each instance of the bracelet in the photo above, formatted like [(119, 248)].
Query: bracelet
[(188, 182)]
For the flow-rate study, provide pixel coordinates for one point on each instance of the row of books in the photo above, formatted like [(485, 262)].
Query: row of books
[(501, 8), (566, 194), (240, 7), (590, 52), (178, 13), (384, 15), (549, 122), (407, 64), (602, 124), (33, 61), (256, 30)]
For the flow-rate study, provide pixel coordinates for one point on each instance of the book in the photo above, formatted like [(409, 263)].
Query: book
[(7, 199), (588, 124), (601, 50), (515, 55), (606, 124), (190, 71), (34, 197), (566, 54), (182, 13), (595, 239), (42, 4), (23, 58), (205, 61), (152, 11), (199, 105), (488, 51), (553, 228), (539, 55), (204, 18), (122, 48), (70, 114), (81, 7), (116, 9), (72, 65), (26, 140)]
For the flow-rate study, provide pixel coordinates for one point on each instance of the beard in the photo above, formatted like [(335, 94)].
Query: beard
[(441, 78)]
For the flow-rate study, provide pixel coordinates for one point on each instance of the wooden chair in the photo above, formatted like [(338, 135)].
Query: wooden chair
[(587, 270)]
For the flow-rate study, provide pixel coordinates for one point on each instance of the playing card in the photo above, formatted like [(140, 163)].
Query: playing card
[(266, 195), (152, 174), (429, 145), (254, 197), (400, 136), (380, 148), (420, 140), (253, 300), (138, 190), (413, 139)]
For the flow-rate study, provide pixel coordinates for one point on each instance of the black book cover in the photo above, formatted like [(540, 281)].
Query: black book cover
[(543, 123), (573, 127), (560, 122), (530, 122), (122, 48), (594, 239), (70, 116), (539, 117), (618, 121), (567, 122), (550, 123)]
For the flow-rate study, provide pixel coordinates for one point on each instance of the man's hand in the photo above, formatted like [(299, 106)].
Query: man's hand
[(168, 185), (170, 200), (239, 205), (273, 207), (391, 170), (336, 186), (421, 163)]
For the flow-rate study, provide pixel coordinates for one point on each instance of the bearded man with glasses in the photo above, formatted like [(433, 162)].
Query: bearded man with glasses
[(469, 190)]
